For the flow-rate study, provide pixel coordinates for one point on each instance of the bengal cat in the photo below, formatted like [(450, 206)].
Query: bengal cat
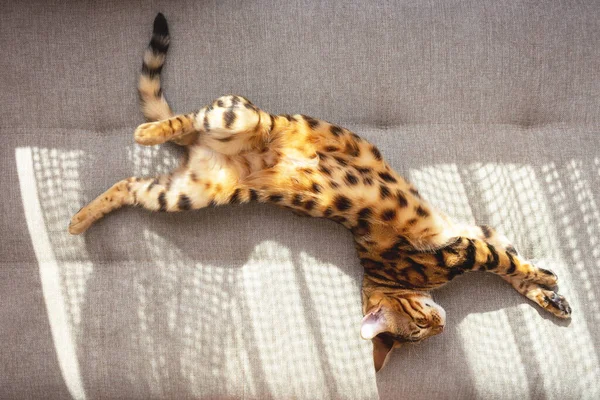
[(238, 153)]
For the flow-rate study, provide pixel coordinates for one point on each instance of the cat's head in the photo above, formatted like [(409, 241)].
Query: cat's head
[(392, 319)]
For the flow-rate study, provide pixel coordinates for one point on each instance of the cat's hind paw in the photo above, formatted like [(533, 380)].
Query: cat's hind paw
[(150, 133)]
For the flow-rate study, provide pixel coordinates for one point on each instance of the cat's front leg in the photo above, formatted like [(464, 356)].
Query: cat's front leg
[(472, 253)]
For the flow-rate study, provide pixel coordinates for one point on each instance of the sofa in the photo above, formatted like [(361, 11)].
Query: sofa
[(491, 109)]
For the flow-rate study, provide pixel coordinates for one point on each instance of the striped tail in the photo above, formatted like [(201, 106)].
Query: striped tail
[(153, 103)]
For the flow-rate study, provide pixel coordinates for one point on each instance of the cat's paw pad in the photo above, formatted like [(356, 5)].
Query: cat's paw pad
[(149, 134)]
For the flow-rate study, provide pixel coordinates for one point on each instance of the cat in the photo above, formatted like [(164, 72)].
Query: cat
[(238, 153)]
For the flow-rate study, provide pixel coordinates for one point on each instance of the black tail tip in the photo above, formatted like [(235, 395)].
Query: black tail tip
[(160, 25)]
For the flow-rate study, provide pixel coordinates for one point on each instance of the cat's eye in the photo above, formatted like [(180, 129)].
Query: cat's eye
[(421, 323)]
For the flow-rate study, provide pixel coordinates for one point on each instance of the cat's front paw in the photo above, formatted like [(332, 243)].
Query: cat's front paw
[(551, 302), (149, 134), (557, 304), (544, 277)]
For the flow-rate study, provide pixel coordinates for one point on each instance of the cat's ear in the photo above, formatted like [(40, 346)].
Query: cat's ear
[(381, 351), (373, 324)]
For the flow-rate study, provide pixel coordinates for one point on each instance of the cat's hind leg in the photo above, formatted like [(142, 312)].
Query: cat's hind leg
[(171, 129), (208, 178), (230, 125)]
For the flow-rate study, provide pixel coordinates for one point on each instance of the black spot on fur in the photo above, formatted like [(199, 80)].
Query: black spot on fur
[(331, 149), (162, 202), (325, 170), (365, 212), (229, 117), (275, 198), (511, 249), (316, 187), (328, 211), (513, 266), (388, 215), (297, 199), (253, 195), (469, 256), (151, 72), (312, 123), (184, 202), (352, 149), (418, 268), (364, 170), (376, 153), (220, 103), (309, 205), (492, 260), (387, 177), (390, 254), (384, 191), (272, 122), (341, 161), (367, 180), (421, 212), (415, 192), (250, 106), (342, 203), (335, 130), (206, 123), (370, 264), (454, 272), (351, 179), (235, 197), (401, 197)]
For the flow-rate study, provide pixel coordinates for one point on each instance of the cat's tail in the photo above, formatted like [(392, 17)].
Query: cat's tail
[(153, 103)]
